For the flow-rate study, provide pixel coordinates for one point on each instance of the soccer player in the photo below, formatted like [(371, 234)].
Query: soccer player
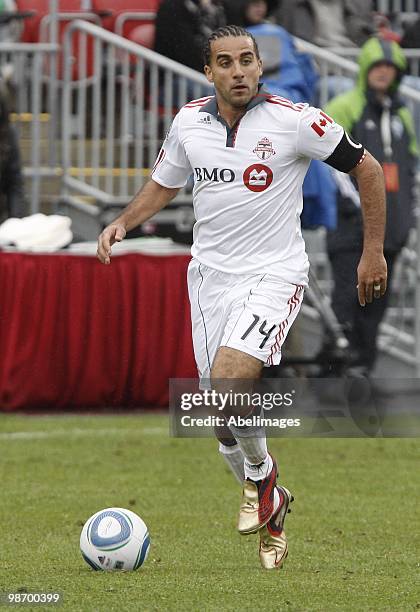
[(249, 152)]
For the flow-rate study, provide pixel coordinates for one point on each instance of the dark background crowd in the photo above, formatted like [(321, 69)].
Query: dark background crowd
[(182, 25)]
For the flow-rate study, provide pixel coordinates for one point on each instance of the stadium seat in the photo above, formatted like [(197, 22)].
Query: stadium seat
[(123, 22), (41, 8), (31, 25), (144, 35), (36, 28)]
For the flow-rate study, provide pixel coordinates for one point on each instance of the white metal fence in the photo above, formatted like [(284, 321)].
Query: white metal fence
[(26, 67), (115, 116), (400, 10), (397, 6), (330, 64), (412, 55)]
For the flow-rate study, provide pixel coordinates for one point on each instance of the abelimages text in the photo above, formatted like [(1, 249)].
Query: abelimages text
[(237, 421)]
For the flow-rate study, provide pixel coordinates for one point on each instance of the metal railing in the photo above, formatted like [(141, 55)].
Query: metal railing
[(329, 64), (397, 6), (412, 55), (49, 22), (114, 123), (140, 16), (27, 68)]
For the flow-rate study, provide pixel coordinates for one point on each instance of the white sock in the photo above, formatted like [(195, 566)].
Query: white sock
[(253, 443), (258, 471), (234, 459)]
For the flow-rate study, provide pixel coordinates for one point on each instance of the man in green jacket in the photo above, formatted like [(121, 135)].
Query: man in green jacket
[(374, 114)]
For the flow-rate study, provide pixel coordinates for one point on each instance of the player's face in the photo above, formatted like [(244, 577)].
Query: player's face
[(234, 69)]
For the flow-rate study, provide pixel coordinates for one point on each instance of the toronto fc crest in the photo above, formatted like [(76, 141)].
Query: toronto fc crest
[(264, 148)]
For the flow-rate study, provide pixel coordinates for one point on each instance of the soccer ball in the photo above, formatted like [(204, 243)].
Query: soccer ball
[(115, 539)]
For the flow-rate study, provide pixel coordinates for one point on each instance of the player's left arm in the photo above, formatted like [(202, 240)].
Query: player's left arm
[(320, 137), (372, 269), (351, 157)]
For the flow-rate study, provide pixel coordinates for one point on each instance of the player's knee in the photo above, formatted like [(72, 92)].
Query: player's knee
[(231, 363), (224, 435)]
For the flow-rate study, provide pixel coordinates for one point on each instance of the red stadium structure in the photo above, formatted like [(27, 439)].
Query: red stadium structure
[(127, 16)]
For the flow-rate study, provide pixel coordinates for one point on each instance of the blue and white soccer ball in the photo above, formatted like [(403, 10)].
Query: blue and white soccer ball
[(115, 539)]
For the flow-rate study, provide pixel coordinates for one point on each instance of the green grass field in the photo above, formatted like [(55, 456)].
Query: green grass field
[(353, 534)]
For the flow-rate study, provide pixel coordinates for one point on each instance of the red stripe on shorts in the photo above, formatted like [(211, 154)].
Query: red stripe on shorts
[(293, 301)]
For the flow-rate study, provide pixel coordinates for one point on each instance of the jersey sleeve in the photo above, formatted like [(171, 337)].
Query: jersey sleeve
[(172, 167), (317, 134)]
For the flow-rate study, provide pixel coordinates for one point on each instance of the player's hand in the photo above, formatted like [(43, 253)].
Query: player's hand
[(111, 234), (372, 276)]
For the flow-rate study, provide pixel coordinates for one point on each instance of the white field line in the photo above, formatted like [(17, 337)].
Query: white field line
[(77, 432)]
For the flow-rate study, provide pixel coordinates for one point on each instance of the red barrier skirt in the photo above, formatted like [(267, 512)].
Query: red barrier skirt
[(76, 334)]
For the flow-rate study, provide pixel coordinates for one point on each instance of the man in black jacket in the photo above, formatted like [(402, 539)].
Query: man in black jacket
[(182, 26), (374, 114)]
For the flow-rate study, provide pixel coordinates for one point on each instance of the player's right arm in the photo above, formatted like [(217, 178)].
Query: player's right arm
[(169, 175), (148, 201)]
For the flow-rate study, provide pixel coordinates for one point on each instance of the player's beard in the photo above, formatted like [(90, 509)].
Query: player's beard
[(237, 102)]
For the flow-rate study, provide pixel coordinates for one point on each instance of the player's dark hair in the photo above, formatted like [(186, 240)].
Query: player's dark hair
[(224, 32)]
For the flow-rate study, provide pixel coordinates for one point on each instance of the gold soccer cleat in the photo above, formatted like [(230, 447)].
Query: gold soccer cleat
[(273, 541), (257, 505), (273, 548)]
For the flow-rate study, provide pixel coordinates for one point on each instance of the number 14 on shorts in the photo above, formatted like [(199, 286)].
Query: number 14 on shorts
[(265, 333)]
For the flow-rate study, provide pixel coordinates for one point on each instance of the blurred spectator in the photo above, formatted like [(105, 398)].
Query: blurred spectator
[(287, 72), (384, 29), (182, 26), (296, 16), (411, 40), (247, 13), (327, 23), (10, 29), (411, 36), (373, 114), (12, 202)]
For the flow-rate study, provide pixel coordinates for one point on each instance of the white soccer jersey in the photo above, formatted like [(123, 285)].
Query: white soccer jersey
[(247, 181)]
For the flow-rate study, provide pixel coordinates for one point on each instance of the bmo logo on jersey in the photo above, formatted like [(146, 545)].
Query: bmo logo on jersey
[(216, 175), (258, 177)]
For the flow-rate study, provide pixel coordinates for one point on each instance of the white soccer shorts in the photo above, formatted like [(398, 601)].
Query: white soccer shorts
[(251, 313)]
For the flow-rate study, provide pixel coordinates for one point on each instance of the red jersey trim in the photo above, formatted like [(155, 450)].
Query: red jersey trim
[(286, 103), (198, 102)]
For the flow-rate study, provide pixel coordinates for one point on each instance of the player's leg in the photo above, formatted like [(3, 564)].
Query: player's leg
[(206, 290), (212, 295), (256, 330), (206, 317), (230, 451), (235, 371), (264, 503)]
